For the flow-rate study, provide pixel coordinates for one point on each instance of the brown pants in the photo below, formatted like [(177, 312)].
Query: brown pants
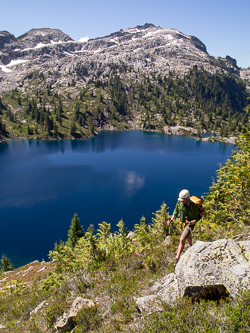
[(186, 232)]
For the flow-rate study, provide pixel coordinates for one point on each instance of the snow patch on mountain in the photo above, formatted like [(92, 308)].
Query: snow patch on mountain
[(131, 30), (97, 51), (69, 54), (152, 33), (41, 45), (113, 46), (168, 36), (114, 40), (136, 50), (16, 62), (5, 69), (82, 51)]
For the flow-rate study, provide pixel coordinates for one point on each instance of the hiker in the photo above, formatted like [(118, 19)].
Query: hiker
[(188, 213)]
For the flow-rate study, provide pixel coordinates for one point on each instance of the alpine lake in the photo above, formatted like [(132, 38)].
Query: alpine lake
[(113, 176)]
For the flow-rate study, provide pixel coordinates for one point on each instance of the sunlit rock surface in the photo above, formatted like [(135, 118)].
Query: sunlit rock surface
[(208, 270)]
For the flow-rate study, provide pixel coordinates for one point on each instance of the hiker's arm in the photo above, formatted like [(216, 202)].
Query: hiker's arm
[(175, 212)]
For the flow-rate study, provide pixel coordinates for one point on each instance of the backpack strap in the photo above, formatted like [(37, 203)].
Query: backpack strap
[(191, 205), (182, 225)]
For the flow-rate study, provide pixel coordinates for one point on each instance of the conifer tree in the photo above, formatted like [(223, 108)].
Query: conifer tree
[(75, 232), (6, 264), (2, 107), (227, 203), (159, 221), (73, 128)]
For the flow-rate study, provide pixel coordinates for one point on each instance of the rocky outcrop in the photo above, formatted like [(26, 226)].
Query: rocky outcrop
[(179, 130), (6, 38), (245, 75), (211, 264), (231, 139), (206, 270), (65, 323)]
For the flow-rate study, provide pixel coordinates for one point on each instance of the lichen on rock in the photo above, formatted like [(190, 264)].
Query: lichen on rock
[(206, 270)]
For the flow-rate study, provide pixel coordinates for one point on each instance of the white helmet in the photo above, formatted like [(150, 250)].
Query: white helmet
[(184, 194)]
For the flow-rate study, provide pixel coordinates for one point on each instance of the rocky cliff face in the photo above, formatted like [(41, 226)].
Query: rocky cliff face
[(144, 48), (6, 39)]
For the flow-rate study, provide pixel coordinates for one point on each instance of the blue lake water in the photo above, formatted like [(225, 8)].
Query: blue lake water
[(112, 176)]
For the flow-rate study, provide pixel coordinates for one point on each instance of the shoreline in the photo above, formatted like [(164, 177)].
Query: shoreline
[(192, 132), (169, 130)]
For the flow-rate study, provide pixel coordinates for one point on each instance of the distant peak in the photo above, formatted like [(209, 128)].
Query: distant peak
[(45, 33), (6, 38), (5, 33), (139, 28), (42, 31), (145, 26)]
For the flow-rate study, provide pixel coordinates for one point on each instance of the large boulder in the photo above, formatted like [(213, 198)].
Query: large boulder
[(207, 269), (222, 264)]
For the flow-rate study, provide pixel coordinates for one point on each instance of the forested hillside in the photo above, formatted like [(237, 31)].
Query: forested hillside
[(199, 100)]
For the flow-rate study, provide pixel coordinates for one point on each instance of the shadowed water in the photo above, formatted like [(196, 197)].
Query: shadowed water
[(112, 176)]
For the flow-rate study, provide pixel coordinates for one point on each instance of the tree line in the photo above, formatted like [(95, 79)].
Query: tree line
[(199, 99)]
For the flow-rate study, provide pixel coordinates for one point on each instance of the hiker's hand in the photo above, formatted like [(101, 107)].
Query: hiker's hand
[(169, 221), (190, 222)]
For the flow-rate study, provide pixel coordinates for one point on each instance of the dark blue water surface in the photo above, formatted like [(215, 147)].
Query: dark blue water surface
[(112, 176)]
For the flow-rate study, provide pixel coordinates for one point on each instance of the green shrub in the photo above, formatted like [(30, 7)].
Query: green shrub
[(238, 316), (185, 317), (53, 312), (88, 320)]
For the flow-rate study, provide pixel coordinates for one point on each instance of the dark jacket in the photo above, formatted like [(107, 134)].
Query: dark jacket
[(188, 211)]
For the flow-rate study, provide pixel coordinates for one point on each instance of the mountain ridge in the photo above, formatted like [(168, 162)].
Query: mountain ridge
[(143, 77), (147, 48)]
